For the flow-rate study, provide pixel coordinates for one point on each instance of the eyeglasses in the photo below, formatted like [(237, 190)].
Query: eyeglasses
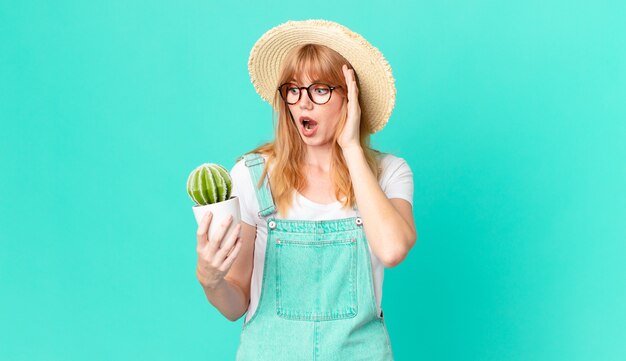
[(319, 93)]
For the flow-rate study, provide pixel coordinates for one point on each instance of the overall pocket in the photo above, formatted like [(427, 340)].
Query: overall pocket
[(316, 279)]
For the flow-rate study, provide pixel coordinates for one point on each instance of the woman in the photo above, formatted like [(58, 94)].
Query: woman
[(308, 265)]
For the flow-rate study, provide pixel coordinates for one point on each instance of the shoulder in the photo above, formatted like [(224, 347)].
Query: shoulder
[(390, 163), (240, 164), (244, 189), (239, 168), (396, 178), (240, 172)]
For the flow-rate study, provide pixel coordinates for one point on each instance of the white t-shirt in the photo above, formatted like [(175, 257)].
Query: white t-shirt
[(396, 181)]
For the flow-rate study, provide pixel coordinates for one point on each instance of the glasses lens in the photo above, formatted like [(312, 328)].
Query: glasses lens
[(320, 93), (290, 93)]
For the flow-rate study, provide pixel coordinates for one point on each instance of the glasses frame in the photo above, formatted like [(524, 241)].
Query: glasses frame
[(308, 91)]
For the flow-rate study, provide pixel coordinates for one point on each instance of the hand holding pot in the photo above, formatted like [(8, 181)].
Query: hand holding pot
[(217, 254)]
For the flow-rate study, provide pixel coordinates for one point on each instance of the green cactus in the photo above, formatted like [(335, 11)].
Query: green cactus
[(209, 183)]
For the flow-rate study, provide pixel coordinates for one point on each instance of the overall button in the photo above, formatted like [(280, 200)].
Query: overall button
[(272, 224), (359, 221)]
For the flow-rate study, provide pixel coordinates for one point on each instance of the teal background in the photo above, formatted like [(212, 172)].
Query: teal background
[(510, 114)]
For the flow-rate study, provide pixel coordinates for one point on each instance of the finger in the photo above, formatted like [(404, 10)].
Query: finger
[(350, 82), (215, 243), (353, 80), (232, 256), (227, 244), (354, 86), (203, 227), (346, 74)]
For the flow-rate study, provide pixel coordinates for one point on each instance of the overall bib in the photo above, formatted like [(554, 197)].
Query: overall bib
[(317, 299)]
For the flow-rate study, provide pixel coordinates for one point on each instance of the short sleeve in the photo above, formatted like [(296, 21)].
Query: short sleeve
[(243, 188), (397, 178)]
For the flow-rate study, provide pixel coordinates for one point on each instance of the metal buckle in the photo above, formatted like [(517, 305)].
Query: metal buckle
[(254, 161)]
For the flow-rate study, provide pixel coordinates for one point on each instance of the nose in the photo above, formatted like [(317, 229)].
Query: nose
[(305, 101)]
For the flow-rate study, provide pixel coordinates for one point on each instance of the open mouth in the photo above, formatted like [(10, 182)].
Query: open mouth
[(308, 124)]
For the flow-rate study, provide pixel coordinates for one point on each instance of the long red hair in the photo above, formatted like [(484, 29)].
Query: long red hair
[(287, 151)]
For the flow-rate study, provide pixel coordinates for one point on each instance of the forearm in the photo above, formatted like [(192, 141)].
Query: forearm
[(388, 234), (228, 298)]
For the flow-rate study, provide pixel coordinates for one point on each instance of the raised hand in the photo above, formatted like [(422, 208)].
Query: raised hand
[(350, 134)]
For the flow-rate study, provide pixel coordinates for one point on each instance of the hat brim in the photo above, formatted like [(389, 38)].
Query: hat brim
[(377, 91)]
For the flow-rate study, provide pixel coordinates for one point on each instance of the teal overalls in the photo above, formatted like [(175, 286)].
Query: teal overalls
[(317, 298)]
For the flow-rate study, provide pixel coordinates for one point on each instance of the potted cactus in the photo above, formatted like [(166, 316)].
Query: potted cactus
[(209, 186)]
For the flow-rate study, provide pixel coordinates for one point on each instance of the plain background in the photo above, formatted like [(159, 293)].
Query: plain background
[(511, 115)]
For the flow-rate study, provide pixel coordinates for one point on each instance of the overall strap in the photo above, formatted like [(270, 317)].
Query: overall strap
[(255, 163)]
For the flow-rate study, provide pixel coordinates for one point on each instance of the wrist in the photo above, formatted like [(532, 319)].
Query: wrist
[(213, 286), (352, 149), (210, 284)]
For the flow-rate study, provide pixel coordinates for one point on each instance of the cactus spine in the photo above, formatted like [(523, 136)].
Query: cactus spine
[(209, 183)]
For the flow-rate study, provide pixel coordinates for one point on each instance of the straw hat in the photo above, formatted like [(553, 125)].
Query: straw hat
[(377, 91)]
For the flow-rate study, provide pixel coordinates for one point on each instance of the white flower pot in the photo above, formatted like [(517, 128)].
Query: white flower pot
[(220, 211)]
